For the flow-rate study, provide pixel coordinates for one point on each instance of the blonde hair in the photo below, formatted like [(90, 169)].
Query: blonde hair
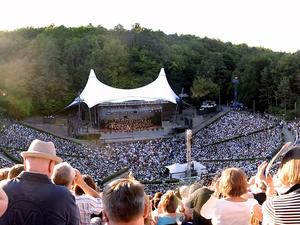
[(233, 182), (290, 172), (169, 202)]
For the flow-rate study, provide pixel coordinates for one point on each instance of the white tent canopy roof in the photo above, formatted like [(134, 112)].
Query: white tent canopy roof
[(96, 92), (180, 168)]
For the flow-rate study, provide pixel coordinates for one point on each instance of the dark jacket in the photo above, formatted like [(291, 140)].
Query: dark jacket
[(34, 200), (196, 201)]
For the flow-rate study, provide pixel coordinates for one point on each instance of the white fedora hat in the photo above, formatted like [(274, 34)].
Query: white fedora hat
[(42, 149)]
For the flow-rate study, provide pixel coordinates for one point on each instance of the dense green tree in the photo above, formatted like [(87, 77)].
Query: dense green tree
[(43, 69), (204, 88)]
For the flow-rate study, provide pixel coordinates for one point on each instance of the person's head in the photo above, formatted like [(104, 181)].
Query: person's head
[(4, 173), (40, 157), (194, 187), (156, 199), (233, 182), (89, 181), (290, 167), (15, 171), (63, 174), (169, 202), (124, 202), (184, 191)]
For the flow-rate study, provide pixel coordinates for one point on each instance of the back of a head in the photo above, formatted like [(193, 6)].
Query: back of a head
[(4, 173), (156, 199), (169, 202), (15, 170), (124, 200), (63, 174), (184, 191), (233, 182), (290, 167), (194, 187)]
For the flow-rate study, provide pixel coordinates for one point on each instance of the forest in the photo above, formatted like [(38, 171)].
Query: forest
[(43, 69)]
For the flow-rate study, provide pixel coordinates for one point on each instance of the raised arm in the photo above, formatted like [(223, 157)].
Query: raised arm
[(84, 186)]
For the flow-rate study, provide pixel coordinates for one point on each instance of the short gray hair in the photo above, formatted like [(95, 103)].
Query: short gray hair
[(63, 174)]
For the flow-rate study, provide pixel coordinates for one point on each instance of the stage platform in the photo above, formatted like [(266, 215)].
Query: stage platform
[(59, 128), (110, 137)]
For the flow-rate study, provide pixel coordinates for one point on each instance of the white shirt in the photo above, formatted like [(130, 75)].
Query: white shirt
[(224, 212)]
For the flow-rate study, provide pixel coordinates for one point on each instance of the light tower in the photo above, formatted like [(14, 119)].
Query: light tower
[(235, 82), (188, 153)]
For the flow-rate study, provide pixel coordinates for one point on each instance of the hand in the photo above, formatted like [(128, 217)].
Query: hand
[(78, 178), (217, 188), (260, 175), (268, 181)]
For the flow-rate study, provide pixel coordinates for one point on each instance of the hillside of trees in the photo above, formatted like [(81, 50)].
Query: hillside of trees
[(43, 69)]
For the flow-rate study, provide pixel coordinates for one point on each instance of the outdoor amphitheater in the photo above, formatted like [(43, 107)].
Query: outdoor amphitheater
[(138, 141)]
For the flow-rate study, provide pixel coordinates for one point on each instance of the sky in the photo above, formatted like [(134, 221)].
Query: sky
[(272, 24)]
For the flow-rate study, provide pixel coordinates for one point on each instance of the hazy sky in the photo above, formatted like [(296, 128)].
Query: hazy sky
[(267, 23)]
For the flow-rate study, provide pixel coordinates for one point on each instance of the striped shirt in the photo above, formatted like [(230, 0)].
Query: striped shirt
[(283, 209), (87, 206)]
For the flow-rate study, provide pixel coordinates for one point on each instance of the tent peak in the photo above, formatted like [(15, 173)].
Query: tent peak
[(92, 73), (162, 72)]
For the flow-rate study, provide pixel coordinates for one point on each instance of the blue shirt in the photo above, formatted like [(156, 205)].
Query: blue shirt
[(166, 219)]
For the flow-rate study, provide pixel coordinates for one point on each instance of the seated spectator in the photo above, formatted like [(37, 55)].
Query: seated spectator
[(32, 197), (15, 170), (124, 202), (88, 203), (167, 210), (232, 208)]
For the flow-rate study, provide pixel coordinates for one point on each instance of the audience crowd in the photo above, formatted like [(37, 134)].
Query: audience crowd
[(239, 140), (147, 159)]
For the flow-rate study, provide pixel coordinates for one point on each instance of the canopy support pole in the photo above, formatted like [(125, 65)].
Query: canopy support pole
[(79, 116), (90, 115)]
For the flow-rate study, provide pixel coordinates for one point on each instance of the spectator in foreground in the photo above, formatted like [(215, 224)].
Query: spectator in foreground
[(124, 202), (32, 197), (232, 208), (88, 203), (284, 208)]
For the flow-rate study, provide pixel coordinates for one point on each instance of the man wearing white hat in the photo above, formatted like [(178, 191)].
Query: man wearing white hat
[(32, 197)]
